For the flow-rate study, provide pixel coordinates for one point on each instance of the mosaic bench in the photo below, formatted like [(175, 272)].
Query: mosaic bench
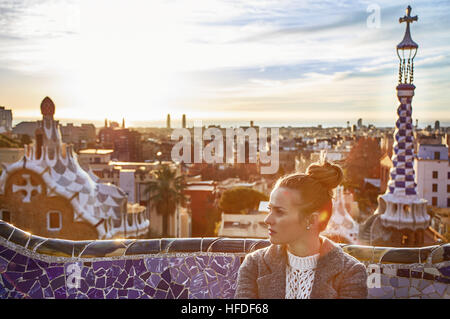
[(37, 267)]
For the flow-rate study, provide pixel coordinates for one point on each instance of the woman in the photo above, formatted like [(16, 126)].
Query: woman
[(299, 263)]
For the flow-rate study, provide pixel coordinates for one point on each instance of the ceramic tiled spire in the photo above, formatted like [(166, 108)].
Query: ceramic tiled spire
[(402, 174), (400, 206)]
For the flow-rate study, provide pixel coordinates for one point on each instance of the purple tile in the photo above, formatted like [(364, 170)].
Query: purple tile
[(145, 276), (102, 265), (217, 267), (199, 294), (203, 261), (214, 290), (170, 295), (394, 282), (210, 275), (20, 259), (149, 291), (90, 278), (184, 294), (36, 291), (55, 272), (156, 264), (42, 264), (112, 294), (190, 262), (166, 275), (133, 294), (13, 276), (175, 261), (154, 280), (48, 292), (60, 293), (12, 266), (24, 286), (160, 294), (123, 293), (110, 281), (116, 271), (163, 285), (58, 282), (95, 293), (8, 254), (402, 292), (445, 271), (443, 279), (35, 274), (129, 283), (139, 283), (139, 266), (176, 289), (43, 280), (100, 282), (128, 265), (198, 281), (32, 265), (122, 277), (181, 279), (3, 265), (185, 270), (84, 287), (173, 272), (118, 263), (100, 273)]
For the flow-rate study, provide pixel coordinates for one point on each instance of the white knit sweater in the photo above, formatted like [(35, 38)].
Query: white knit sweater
[(300, 276)]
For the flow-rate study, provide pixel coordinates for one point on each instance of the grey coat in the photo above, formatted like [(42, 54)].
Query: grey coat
[(338, 275)]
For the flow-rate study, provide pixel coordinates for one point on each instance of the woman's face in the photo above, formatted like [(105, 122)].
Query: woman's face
[(283, 220)]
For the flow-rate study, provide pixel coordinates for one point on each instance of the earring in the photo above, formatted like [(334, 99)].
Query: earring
[(307, 227)]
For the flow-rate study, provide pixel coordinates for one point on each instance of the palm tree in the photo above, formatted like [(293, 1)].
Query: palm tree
[(166, 192)]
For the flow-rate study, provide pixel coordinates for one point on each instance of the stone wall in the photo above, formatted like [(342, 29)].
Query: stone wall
[(37, 267)]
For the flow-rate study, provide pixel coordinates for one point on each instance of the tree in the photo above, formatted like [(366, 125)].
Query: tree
[(166, 192), (363, 161), (240, 199)]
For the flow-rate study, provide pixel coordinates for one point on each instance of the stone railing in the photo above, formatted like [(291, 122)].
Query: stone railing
[(37, 267)]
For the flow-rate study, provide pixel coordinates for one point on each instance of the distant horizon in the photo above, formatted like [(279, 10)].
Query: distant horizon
[(176, 123)]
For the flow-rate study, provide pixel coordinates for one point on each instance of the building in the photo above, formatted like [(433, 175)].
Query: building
[(202, 201), (25, 128), (80, 136), (133, 179), (47, 192), (5, 120), (126, 143), (433, 174), (95, 159)]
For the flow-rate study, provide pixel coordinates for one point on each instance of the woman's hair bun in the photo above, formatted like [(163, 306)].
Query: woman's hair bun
[(328, 174)]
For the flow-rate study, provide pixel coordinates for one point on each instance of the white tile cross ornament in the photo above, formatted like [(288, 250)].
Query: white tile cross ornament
[(28, 188)]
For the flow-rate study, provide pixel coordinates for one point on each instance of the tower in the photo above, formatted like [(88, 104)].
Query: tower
[(403, 213), (183, 121), (168, 121)]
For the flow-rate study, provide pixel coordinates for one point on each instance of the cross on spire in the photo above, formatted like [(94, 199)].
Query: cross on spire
[(407, 18), (407, 42)]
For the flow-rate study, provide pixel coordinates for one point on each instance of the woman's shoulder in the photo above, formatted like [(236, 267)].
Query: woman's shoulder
[(264, 255)]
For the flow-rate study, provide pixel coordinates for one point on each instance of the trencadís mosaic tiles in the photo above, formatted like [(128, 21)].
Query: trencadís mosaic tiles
[(36, 267)]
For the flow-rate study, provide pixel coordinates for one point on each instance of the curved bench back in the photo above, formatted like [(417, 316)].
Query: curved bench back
[(37, 267)]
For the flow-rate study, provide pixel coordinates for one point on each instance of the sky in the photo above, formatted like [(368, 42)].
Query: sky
[(271, 61)]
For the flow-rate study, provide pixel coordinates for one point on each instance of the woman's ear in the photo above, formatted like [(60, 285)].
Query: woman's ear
[(314, 219)]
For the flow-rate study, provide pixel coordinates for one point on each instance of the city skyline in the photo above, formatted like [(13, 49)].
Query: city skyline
[(280, 62)]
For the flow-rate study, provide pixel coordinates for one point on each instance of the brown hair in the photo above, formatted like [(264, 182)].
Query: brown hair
[(315, 187)]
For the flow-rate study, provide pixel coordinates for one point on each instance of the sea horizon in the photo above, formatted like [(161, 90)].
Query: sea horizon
[(176, 123)]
